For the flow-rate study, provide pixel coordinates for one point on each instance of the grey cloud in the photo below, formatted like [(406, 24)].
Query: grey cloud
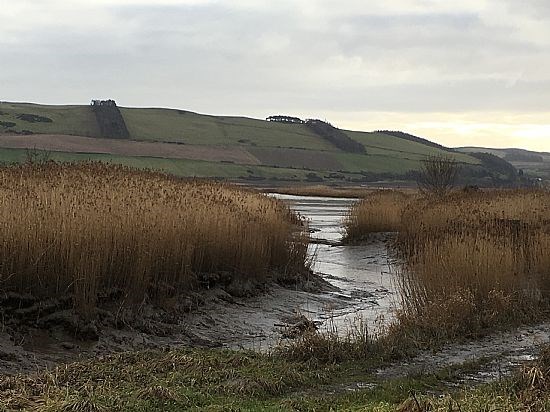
[(228, 57)]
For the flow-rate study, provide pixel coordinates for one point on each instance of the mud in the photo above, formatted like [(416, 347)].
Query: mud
[(362, 273), (498, 355), (220, 320)]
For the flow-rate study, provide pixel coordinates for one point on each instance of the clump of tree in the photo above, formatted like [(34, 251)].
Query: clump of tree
[(412, 138), (438, 175), (284, 119), (335, 136), (34, 118), (501, 171), (523, 156), (110, 120)]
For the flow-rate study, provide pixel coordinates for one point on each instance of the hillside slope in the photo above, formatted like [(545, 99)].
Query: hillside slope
[(191, 144), (530, 163)]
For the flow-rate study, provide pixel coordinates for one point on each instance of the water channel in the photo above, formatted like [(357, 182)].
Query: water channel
[(362, 273)]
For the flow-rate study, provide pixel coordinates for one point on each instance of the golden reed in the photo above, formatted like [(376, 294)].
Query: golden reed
[(475, 260), (379, 212), (86, 228)]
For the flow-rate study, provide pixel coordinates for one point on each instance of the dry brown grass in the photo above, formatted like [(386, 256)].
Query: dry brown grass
[(325, 191), (335, 191), (331, 345), (473, 261), (379, 212), (83, 229)]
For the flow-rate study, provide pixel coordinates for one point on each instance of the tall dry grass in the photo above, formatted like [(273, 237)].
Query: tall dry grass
[(474, 260), (379, 212), (87, 228)]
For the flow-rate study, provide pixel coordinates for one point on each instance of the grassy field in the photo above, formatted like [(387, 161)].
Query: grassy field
[(199, 168), (193, 128), (213, 380), (176, 167), (277, 145), (70, 120), (80, 230), (383, 144)]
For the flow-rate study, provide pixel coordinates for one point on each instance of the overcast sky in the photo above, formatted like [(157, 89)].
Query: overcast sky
[(474, 72)]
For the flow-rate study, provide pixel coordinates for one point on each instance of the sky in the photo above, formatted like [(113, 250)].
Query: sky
[(468, 73)]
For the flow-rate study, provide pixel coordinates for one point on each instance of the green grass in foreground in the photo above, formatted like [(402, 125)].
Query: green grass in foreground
[(214, 380)]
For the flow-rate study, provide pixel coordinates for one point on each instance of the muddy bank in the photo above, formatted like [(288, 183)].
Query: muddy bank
[(217, 319), (349, 282), (498, 355)]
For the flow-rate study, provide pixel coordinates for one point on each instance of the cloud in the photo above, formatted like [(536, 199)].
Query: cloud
[(304, 56)]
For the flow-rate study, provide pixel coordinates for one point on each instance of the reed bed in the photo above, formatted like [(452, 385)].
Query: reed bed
[(473, 261), (84, 229), (335, 191), (325, 191), (379, 212)]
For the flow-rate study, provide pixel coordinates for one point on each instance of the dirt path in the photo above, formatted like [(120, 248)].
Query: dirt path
[(502, 352)]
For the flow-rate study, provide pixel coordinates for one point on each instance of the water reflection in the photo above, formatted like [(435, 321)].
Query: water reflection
[(362, 272)]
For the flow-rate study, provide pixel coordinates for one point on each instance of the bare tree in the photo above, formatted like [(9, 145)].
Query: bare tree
[(438, 175)]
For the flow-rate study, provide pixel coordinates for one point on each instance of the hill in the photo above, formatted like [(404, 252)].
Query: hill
[(237, 148), (529, 163)]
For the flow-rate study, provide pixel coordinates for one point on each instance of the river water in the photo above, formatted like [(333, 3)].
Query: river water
[(362, 273)]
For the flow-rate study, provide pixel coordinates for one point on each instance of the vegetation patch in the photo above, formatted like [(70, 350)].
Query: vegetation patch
[(335, 136), (91, 229), (474, 261), (8, 124), (110, 120), (468, 261), (380, 211), (412, 138), (297, 158), (34, 118), (192, 379)]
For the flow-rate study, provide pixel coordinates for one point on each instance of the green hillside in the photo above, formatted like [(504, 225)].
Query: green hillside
[(191, 144), (70, 120), (530, 163)]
